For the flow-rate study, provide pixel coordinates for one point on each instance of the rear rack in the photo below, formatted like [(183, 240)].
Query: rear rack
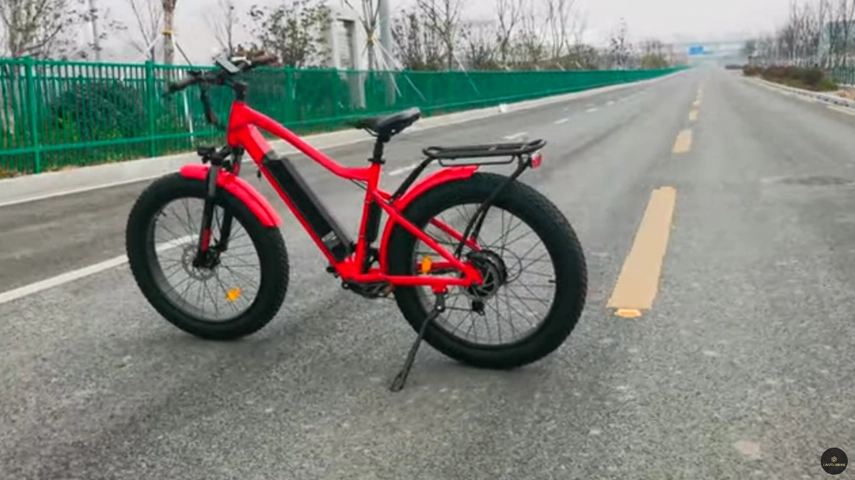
[(480, 151)]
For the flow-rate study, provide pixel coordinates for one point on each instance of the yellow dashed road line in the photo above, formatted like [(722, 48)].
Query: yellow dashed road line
[(638, 282), (684, 142)]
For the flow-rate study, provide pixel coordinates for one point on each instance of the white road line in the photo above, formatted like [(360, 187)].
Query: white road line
[(559, 122), (73, 275), (81, 190), (847, 111), (611, 102), (511, 137), (399, 171), (592, 110)]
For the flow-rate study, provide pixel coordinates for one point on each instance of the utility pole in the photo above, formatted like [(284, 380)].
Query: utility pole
[(96, 38), (386, 48), (385, 26)]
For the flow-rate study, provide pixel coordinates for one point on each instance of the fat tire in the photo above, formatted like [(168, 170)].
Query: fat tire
[(268, 242), (557, 235)]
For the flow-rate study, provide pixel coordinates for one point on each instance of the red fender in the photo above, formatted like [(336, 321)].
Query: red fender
[(241, 189), (431, 181)]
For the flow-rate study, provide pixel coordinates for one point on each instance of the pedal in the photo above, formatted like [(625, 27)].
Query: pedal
[(400, 379)]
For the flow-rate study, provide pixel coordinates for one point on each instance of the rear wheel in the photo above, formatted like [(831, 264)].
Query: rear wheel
[(246, 283), (560, 268)]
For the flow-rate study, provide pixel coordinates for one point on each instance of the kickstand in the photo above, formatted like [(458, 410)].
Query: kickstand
[(401, 378)]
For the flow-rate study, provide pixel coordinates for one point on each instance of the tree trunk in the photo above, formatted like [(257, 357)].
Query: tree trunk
[(168, 25)]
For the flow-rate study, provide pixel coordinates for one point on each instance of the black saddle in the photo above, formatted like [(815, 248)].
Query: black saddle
[(385, 126)]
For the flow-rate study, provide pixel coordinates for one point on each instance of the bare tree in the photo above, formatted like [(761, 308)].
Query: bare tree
[(815, 26), (843, 30), (443, 18), (295, 31), (531, 46), (40, 28), (224, 21), (102, 24), (619, 46), (417, 47), (478, 45), (580, 26), (653, 54), (558, 22), (508, 14), (148, 18)]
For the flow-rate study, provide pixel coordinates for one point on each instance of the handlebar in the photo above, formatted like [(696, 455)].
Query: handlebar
[(228, 68)]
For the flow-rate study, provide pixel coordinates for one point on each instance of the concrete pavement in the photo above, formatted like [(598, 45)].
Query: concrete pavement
[(737, 366)]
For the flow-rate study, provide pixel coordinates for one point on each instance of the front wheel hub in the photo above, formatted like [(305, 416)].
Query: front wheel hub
[(207, 264)]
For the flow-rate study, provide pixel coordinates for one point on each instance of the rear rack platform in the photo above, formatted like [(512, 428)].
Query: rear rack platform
[(480, 151)]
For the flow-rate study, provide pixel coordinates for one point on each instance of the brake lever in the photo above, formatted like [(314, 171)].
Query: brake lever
[(210, 116)]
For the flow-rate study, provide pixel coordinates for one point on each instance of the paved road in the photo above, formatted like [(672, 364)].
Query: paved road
[(741, 368)]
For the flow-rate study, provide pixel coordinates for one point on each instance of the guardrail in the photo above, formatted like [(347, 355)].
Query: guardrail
[(58, 114)]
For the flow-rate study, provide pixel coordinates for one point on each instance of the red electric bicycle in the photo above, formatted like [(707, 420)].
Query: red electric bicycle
[(479, 274)]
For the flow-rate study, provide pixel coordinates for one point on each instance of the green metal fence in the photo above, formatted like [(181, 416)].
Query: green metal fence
[(843, 75), (59, 114)]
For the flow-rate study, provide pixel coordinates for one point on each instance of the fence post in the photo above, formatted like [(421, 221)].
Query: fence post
[(151, 106), (32, 108)]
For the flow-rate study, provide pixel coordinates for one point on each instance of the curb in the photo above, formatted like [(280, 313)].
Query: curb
[(823, 97), (42, 186)]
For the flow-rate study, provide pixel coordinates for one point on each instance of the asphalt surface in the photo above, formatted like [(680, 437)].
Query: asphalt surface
[(740, 370)]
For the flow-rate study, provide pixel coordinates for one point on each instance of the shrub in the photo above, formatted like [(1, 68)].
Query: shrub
[(800, 77), (827, 84), (750, 70), (812, 76), (95, 108)]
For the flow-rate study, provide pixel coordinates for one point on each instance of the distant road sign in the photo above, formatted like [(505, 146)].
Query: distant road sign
[(696, 50)]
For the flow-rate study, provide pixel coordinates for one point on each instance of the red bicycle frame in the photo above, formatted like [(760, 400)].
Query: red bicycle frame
[(243, 132)]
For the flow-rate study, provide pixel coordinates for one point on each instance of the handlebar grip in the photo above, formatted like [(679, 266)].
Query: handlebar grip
[(265, 59), (174, 87)]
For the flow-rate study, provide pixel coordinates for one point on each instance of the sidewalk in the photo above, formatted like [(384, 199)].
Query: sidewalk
[(52, 184), (822, 97)]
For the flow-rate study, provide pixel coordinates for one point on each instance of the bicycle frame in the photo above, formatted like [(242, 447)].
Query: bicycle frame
[(346, 257)]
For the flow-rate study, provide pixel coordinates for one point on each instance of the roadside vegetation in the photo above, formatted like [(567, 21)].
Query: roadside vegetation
[(814, 79), (814, 48), (108, 113)]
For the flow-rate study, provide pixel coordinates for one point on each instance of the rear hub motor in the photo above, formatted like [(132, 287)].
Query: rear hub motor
[(493, 271)]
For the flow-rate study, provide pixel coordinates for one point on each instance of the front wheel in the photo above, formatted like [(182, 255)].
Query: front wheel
[(509, 291), (233, 293)]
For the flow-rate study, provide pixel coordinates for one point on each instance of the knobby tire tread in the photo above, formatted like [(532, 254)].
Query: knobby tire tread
[(268, 241), (554, 231)]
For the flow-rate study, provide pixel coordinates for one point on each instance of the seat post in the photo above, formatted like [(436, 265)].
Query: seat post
[(377, 155)]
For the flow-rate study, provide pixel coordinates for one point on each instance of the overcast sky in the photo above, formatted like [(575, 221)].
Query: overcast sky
[(669, 20)]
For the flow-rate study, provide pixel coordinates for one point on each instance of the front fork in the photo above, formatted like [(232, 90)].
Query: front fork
[(218, 162)]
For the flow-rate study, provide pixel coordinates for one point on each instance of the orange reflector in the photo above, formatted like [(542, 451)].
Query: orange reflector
[(233, 294), (426, 263)]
